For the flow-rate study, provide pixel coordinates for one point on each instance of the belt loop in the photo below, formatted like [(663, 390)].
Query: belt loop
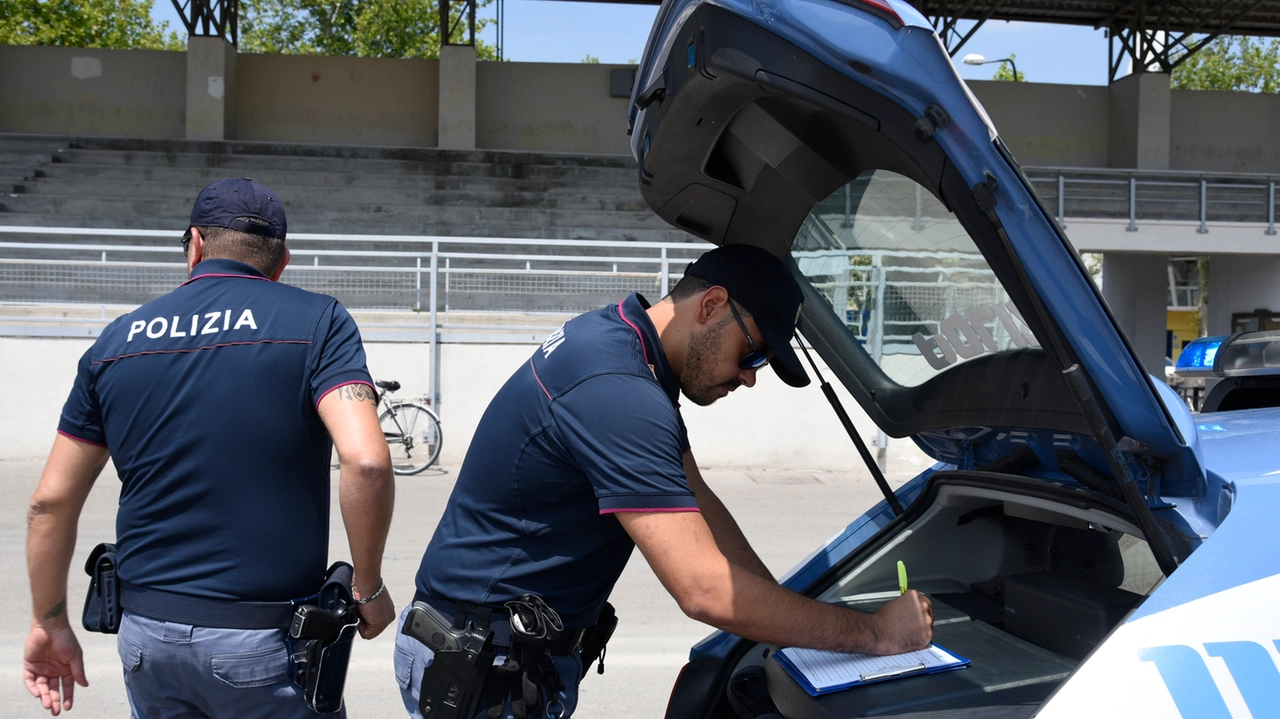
[(177, 633)]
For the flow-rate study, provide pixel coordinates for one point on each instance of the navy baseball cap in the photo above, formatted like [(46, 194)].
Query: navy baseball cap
[(760, 283), (240, 204)]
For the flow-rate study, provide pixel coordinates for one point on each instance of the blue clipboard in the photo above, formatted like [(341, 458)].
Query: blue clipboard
[(823, 672)]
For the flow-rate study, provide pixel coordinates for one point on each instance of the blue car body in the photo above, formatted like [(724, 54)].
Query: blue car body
[(739, 108)]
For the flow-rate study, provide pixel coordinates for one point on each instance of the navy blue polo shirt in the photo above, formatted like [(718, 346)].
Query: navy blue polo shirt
[(206, 398), (587, 428)]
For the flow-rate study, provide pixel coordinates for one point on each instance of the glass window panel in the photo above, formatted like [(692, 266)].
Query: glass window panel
[(896, 266)]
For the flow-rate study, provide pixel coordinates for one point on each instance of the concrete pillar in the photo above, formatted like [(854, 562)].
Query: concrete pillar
[(1241, 283), (211, 89), (1136, 288), (457, 97), (1138, 122)]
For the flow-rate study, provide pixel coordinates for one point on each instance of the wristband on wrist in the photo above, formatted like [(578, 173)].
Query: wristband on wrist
[(382, 587)]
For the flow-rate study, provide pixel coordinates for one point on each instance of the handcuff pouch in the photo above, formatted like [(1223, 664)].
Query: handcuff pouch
[(102, 610)]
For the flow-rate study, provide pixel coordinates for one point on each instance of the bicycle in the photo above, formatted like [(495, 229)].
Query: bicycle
[(412, 431)]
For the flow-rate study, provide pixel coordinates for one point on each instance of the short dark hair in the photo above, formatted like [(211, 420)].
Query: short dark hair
[(687, 287), (265, 253)]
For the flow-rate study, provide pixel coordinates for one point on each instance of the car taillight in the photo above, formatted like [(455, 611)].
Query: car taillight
[(879, 8)]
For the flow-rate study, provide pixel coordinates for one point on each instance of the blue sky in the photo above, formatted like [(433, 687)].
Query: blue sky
[(559, 31)]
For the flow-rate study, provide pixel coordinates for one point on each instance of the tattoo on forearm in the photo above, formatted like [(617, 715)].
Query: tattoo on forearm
[(57, 610), (357, 393)]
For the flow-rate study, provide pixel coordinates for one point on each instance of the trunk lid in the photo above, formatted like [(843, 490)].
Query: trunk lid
[(939, 290)]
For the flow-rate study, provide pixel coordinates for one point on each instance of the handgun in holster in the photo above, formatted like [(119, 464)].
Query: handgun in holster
[(323, 633), (596, 638), (453, 683)]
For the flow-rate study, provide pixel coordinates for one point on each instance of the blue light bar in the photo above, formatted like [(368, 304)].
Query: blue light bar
[(1250, 354), (1197, 359), (1243, 355)]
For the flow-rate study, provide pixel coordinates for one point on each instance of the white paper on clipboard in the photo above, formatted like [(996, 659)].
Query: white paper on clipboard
[(824, 671)]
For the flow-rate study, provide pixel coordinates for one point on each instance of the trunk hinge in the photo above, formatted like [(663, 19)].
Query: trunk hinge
[(984, 194)]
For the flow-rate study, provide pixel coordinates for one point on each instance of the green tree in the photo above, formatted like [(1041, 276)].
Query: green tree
[(1240, 64), (363, 28), (1004, 73), (590, 60), (106, 24)]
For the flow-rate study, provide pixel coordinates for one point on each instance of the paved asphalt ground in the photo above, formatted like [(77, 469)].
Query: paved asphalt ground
[(785, 514)]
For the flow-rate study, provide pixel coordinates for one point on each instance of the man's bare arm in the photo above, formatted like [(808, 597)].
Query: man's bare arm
[(53, 663), (712, 589), (366, 492), (729, 537), (52, 517)]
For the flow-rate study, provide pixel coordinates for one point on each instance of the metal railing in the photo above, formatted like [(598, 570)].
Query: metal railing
[(1138, 195), (457, 283), (885, 297)]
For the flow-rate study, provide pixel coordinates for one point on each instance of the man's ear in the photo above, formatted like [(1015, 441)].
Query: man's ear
[(195, 250), (711, 302), (275, 276)]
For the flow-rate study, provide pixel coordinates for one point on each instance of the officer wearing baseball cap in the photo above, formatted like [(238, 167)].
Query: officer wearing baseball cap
[(218, 404), (583, 456)]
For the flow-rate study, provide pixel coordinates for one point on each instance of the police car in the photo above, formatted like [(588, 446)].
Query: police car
[(1091, 546)]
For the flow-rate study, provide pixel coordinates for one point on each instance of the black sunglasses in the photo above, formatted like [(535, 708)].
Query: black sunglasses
[(186, 241), (755, 359)]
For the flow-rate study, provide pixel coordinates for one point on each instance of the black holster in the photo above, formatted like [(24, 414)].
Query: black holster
[(452, 685), (102, 610), (596, 638), (322, 635)]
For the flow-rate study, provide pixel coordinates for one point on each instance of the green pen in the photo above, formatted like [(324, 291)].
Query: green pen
[(902, 577)]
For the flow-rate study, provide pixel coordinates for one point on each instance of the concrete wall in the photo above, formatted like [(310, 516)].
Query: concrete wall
[(1240, 283), (1044, 124), (549, 107), (770, 425), (1136, 288), (337, 100), (1224, 131), (567, 108), (61, 90), (1138, 122)]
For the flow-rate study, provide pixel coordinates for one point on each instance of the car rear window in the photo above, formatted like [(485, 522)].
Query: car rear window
[(897, 268)]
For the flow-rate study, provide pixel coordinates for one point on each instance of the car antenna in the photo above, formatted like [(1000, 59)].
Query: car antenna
[(876, 474)]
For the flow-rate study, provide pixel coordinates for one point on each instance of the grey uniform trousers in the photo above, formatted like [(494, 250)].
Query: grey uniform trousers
[(177, 671), (412, 656)]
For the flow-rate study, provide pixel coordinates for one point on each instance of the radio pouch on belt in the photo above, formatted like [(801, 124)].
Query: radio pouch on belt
[(452, 684), (102, 605), (322, 634)]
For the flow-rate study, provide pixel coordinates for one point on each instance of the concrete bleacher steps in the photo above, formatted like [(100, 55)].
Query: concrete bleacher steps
[(151, 184)]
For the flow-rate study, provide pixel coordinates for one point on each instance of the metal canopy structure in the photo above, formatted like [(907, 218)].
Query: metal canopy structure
[(211, 18), (220, 18), (449, 28), (1157, 35)]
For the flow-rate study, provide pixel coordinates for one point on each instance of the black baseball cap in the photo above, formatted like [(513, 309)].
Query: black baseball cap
[(762, 285), (240, 204)]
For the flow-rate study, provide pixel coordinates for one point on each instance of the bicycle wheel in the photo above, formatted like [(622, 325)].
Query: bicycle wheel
[(413, 434)]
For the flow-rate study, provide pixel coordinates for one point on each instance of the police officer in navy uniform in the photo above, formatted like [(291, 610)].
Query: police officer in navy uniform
[(583, 455), (217, 403)]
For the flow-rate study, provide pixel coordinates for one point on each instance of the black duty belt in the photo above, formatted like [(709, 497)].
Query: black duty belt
[(566, 643), (202, 612)]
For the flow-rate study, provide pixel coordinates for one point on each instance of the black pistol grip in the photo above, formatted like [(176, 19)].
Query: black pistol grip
[(431, 628)]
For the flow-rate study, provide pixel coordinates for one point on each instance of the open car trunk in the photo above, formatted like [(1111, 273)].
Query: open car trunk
[(1026, 579)]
